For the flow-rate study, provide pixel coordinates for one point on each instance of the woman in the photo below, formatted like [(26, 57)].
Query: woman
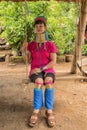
[(43, 58)]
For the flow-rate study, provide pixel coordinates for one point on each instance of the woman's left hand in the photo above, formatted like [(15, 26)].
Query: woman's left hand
[(36, 70)]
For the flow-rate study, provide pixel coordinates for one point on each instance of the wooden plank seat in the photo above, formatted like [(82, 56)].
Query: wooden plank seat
[(4, 56), (80, 65)]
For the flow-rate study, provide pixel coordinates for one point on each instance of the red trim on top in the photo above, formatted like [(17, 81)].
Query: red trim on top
[(42, 19)]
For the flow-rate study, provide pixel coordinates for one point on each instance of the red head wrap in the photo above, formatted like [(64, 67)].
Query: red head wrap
[(41, 19)]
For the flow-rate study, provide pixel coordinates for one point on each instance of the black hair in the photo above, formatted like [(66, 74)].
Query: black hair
[(39, 22)]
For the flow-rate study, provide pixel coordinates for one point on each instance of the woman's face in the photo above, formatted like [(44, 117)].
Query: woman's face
[(40, 28)]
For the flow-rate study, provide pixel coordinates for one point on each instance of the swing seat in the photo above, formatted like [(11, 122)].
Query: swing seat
[(81, 63), (26, 81)]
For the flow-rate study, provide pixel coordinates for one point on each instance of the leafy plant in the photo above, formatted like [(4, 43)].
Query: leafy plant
[(60, 22), (84, 49), (69, 49)]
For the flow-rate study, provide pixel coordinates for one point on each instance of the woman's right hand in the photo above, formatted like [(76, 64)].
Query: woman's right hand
[(24, 46)]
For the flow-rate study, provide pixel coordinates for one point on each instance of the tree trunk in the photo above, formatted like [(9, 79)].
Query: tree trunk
[(80, 36)]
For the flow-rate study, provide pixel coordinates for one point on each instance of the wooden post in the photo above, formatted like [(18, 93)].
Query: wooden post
[(80, 36)]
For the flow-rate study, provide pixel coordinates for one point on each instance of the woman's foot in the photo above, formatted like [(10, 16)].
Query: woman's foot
[(50, 118), (33, 118)]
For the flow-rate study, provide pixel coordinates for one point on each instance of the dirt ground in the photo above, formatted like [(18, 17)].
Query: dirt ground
[(70, 105)]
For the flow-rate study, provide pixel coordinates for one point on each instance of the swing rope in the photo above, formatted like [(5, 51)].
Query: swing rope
[(25, 15)]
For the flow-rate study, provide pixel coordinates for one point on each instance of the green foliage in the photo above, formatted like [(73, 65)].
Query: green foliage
[(13, 23), (60, 22), (69, 49), (84, 49)]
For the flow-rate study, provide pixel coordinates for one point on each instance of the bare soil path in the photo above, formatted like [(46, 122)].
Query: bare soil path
[(70, 105)]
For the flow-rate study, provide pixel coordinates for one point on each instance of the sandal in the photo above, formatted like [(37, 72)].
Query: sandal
[(50, 118), (33, 119)]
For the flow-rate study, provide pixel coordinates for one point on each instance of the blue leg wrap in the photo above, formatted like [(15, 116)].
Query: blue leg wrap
[(38, 98), (49, 98)]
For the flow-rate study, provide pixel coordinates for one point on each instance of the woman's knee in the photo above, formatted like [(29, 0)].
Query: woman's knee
[(48, 82), (38, 83)]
